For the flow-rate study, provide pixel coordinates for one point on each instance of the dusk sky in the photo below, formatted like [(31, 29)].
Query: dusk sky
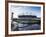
[(25, 10)]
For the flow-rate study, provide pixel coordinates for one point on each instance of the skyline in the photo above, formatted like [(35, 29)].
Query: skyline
[(25, 10)]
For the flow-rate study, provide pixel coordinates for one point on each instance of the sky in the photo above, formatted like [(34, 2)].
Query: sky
[(25, 10)]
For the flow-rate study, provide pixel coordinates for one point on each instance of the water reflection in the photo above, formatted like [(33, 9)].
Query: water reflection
[(22, 27)]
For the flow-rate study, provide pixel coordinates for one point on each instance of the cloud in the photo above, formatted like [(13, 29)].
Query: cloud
[(27, 10)]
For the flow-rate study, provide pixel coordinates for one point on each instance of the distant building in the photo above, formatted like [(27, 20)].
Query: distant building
[(25, 19), (27, 16)]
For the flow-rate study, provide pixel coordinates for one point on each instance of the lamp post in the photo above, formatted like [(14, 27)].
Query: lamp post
[(12, 21), (12, 16)]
